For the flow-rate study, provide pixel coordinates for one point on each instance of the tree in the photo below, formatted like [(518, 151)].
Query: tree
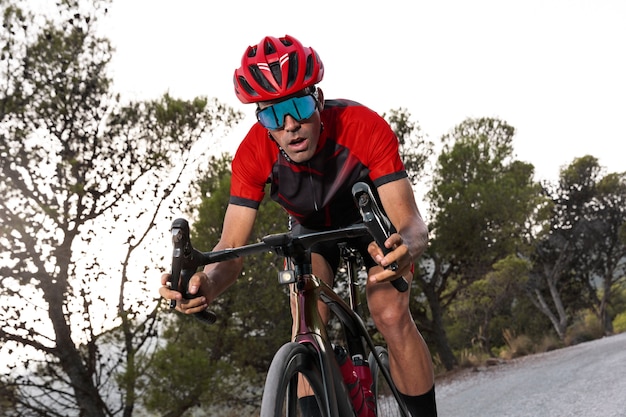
[(490, 297), (79, 170), (609, 263), (253, 319), (415, 149), (580, 258), (481, 203)]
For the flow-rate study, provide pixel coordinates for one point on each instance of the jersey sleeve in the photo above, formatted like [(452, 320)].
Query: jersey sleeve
[(251, 168), (375, 144), (384, 159)]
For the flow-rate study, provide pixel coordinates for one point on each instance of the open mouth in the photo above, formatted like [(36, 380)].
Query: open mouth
[(298, 144)]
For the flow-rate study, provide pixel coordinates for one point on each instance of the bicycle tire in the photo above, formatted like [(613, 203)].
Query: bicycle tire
[(386, 404), (280, 392)]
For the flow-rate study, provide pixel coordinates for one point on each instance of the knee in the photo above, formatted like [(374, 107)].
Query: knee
[(390, 317)]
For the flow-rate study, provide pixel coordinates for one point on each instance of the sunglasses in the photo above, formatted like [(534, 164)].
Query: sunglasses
[(300, 108)]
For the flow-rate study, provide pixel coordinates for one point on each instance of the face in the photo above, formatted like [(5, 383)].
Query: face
[(298, 139)]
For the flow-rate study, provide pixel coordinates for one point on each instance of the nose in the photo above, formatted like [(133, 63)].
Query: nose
[(291, 124)]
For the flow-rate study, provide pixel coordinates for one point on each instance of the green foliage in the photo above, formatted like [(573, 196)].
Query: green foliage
[(578, 259), (415, 149), (187, 372), (517, 346), (481, 198), (484, 306), (526, 319), (483, 202), (584, 328), (619, 323)]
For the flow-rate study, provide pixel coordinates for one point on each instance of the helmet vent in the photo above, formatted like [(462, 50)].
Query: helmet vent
[(293, 69), (244, 84), (309, 67), (275, 68), (269, 48), (260, 78)]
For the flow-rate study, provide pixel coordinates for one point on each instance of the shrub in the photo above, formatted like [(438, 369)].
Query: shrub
[(619, 323), (548, 342), (516, 346), (471, 358), (585, 328)]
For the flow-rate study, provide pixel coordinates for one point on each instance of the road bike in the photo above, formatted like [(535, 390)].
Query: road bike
[(311, 355)]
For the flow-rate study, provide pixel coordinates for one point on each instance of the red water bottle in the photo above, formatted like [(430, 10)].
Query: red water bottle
[(356, 388), (362, 369)]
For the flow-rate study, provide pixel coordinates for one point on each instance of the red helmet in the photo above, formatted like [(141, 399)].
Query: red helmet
[(275, 68)]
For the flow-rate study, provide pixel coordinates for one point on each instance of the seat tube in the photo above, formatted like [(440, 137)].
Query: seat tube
[(308, 322)]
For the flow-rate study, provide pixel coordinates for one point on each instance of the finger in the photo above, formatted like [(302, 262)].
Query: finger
[(381, 275), (168, 294), (194, 305), (195, 282), (375, 252)]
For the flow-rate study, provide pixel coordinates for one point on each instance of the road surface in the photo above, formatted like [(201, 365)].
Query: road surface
[(588, 380)]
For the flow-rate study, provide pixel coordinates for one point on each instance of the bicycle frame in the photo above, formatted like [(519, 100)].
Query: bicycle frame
[(310, 328)]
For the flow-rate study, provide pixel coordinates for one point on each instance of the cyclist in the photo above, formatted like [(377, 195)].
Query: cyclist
[(311, 151)]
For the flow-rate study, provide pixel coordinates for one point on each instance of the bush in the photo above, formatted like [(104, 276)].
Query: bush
[(472, 358), (548, 342), (619, 323), (586, 328), (516, 346)]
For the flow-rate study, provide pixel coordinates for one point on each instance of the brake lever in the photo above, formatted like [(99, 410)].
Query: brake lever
[(378, 225), (185, 262)]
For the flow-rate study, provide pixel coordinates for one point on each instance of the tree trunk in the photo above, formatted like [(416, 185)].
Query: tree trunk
[(539, 301), (439, 332)]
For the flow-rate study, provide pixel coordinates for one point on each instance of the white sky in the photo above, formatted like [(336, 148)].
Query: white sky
[(555, 70)]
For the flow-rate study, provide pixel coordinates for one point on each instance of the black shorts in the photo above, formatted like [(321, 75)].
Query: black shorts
[(330, 249)]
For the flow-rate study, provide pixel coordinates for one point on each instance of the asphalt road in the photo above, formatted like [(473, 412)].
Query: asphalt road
[(588, 380)]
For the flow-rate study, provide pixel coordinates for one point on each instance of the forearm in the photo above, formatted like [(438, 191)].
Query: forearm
[(238, 223), (220, 276), (415, 237), (399, 203)]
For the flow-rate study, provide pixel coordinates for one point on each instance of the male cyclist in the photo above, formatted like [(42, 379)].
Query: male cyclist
[(311, 151)]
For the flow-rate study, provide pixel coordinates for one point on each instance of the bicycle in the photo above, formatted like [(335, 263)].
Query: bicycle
[(310, 354)]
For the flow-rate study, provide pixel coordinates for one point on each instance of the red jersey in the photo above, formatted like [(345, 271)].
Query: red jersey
[(356, 144)]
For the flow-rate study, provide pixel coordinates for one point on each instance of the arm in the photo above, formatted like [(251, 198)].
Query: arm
[(216, 278), (411, 240)]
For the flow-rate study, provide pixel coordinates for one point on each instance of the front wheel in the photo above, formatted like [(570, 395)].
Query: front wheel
[(386, 403), (280, 397)]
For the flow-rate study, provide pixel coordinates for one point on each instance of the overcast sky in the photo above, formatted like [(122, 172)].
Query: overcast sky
[(555, 70)]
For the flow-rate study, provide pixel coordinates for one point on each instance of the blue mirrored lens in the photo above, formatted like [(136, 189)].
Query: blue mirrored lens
[(300, 108)]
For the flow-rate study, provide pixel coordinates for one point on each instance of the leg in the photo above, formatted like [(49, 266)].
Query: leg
[(409, 358)]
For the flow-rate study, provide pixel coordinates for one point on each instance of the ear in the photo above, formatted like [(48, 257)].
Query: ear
[(320, 99)]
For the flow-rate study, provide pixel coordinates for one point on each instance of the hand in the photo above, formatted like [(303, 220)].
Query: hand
[(186, 306), (399, 254)]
